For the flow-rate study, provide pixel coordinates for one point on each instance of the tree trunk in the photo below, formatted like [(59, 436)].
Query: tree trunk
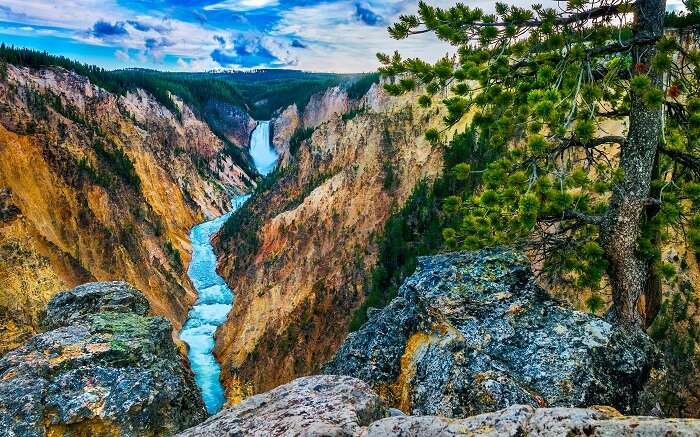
[(652, 287), (621, 228)]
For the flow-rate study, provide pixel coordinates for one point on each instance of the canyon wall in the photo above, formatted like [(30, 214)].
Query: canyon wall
[(320, 108), (95, 186), (298, 254)]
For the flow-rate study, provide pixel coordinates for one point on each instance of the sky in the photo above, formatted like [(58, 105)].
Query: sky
[(202, 35)]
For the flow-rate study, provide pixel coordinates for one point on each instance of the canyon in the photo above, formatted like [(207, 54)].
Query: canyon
[(298, 253), (214, 297), (97, 186), (249, 246)]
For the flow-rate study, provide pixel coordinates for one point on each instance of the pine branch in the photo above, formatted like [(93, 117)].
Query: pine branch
[(569, 143), (592, 14), (577, 216), (685, 159)]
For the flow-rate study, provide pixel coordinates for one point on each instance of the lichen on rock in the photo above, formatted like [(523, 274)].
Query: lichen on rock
[(472, 332), (105, 369), (311, 406)]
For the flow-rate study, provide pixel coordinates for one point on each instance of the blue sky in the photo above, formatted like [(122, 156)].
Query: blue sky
[(201, 35)]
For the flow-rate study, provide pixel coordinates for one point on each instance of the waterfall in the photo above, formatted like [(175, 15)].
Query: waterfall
[(264, 156)]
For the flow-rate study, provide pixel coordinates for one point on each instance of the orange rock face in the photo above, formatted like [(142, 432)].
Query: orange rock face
[(298, 266), (71, 213)]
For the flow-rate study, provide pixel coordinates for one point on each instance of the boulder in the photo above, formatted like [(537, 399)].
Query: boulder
[(311, 406), (471, 333), (74, 306), (108, 370)]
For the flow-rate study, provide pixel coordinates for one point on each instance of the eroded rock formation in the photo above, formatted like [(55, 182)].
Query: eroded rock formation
[(472, 332), (105, 369), (315, 405), (95, 186), (297, 254)]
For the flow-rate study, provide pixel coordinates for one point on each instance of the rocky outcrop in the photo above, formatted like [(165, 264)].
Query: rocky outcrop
[(72, 306), (231, 121), (284, 125), (311, 406), (298, 253), (342, 406), (472, 332), (105, 369), (96, 186), (324, 106)]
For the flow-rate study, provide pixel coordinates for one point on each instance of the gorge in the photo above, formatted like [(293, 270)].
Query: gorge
[(496, 231), (214, 297)]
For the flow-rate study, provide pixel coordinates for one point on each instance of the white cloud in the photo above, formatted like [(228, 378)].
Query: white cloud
[(337, 41), (241, 5), (71, 14), (155, 37), (123, 55), (198, 64)]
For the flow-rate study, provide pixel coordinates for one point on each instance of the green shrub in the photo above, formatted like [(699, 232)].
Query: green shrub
[(298, 137), (174, 256), (119, 163)]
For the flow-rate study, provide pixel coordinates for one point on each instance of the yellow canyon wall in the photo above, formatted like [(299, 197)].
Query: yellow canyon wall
[(67, 216)]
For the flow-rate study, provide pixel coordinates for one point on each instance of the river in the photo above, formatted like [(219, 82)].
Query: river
[(215, 298)]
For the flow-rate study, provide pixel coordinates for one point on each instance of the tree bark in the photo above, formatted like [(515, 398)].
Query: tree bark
[(621, 228), (652, 286)]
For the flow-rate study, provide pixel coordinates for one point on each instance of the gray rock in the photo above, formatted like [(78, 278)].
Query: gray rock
[(114, 373), (508, 422), (344, 406), (472, 332), (311, 406), (522, 420), (74, 306), (395, 412)]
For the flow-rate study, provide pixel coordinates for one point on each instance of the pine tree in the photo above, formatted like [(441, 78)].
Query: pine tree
[(540, 84)]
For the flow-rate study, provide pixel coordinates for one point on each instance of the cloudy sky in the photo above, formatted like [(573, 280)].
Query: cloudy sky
[(199, 35)]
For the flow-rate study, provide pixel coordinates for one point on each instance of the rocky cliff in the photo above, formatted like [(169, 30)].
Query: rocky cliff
[(104, 369), (298, 254), (96, 186), (284, 124), (472, 332), (342, 406), (321, 108)]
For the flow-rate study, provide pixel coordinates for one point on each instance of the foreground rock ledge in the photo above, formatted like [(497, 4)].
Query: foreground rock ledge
[(341, 406), (472, 332), (106, 369)]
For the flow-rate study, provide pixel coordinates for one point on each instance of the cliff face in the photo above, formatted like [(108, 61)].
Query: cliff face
[(297, 254), (284, 125), (98, 187), (321, 108)]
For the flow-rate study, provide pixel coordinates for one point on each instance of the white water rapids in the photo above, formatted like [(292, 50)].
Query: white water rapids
[(214, 296)]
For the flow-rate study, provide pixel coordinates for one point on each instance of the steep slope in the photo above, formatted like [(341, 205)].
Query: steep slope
[(95, 186), (320, 108), (298, 253)]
